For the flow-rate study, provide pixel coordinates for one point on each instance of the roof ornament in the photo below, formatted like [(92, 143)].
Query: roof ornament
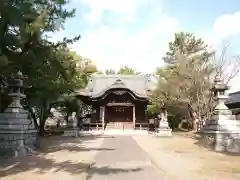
[(118, 82), (148, 77)]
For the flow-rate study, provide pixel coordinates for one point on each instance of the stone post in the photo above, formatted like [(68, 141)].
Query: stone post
[(18, 135), (134, 117), (222, 127)]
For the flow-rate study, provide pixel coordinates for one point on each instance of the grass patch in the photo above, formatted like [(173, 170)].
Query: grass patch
[(236, 170)]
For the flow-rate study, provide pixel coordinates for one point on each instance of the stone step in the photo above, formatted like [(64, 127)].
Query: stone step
[(125, 132), (119, 125)]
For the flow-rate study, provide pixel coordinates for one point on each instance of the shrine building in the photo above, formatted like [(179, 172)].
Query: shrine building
[(117, 101)]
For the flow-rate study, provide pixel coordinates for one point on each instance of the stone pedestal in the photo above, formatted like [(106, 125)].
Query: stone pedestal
[(18, 135), (222, 135), (164, 129), (222, 131)]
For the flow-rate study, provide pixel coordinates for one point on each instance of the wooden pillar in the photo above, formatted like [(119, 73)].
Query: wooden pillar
[(134, 117), (102, 112)]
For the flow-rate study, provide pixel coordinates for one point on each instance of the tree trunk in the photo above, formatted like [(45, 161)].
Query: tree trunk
[(42, 122), (193, 118), (34, 117), (66, 117), (43, 117)]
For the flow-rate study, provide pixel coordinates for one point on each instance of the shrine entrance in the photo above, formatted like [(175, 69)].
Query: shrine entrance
[(119, 114)]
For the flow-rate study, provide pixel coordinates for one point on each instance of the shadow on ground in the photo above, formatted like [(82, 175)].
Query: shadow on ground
[(56, 143), (41, 165), (106, 170), (38, 162)]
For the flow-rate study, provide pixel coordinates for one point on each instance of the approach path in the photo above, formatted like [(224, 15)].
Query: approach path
[(123, 159)]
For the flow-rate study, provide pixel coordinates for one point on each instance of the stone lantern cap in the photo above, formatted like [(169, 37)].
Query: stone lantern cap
[(219, 87), (218, 84)]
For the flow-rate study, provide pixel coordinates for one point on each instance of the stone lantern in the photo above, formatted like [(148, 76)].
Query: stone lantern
[(18, 134)]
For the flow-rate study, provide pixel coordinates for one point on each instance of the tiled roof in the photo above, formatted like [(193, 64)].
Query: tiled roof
[(138, 84), (233, 98)]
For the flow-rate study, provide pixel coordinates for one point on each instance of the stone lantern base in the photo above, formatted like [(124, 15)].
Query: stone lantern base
[(18, 135), (222, 135)]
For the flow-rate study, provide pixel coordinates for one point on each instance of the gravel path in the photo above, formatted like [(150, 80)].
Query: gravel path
[(121, 159)]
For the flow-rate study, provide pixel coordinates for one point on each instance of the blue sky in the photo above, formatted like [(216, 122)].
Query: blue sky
[(136, 32), (196, 15)]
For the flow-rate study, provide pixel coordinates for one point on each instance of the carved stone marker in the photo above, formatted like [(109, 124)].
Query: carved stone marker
[(18, 135)]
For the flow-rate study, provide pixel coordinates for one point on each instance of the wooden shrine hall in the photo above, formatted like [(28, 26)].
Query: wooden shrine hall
[(117, 101)]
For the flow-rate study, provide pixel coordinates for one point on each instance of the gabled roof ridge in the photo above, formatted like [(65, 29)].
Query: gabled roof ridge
[(117, 76)]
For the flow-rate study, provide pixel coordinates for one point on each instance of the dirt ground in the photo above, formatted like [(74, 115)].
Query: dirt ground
[(60, 158), (181, 157)]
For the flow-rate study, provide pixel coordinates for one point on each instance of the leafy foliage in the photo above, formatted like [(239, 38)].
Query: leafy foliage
[(127, 71), (110, 71), (184, 82), (124, 70), (52, 70), (184, 44)]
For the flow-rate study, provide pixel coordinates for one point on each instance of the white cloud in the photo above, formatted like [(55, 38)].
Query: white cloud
[(114, 47), (124, 7), (225, 26)]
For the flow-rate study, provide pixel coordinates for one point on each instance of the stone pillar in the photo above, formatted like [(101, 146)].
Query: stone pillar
[(222, 127), (18, 135), (164, 129), (134, 117)]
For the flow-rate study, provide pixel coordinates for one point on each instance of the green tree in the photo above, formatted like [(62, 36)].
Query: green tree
[(99, 72), (185, 80), (52, 69), (127, 71), (110, 71), (48, 88), (185, 44)]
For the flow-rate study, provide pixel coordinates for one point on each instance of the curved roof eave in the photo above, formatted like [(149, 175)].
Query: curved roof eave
[(137, 96)]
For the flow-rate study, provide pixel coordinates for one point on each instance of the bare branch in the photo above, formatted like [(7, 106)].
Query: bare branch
[(227, 66)]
